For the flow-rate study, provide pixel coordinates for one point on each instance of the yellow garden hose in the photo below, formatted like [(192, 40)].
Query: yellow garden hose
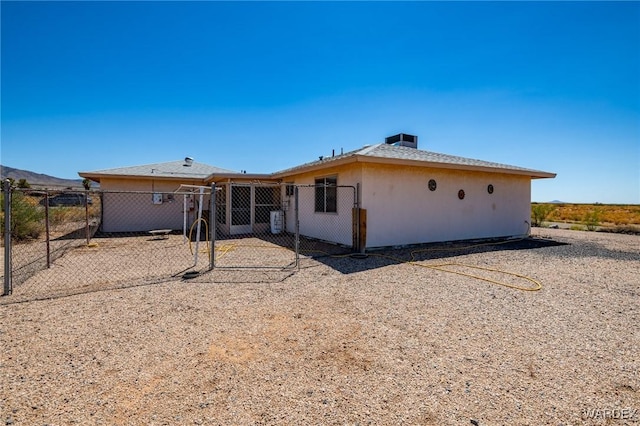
[(223, 249), (441, 267), (535, 285), (206, 227)]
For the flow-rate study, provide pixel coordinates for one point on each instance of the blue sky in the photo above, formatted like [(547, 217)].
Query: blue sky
[(263, 86)]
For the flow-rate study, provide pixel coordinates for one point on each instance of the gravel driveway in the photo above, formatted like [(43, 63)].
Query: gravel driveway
[(344, 341)]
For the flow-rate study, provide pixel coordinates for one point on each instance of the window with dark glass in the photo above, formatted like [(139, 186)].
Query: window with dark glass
[(326, 195), (290, 189)]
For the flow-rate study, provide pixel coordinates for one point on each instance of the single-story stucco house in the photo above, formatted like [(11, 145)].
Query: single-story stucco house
[(410, 196), (140, 198)]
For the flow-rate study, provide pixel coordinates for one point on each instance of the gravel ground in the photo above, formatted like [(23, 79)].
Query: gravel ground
[(344, 341)]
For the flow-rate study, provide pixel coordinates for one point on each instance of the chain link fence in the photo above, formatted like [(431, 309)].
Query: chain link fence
[(68, 242), (45, 225), (327, 225), (272, 226)]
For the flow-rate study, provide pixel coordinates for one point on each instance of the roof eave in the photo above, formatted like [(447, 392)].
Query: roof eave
[(97, 176), (89, 176), (451, 166), (244, 176), (533, 174), (329, 162)]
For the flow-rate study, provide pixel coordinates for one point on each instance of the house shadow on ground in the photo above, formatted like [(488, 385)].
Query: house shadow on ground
[(344, 260), (352, 263)]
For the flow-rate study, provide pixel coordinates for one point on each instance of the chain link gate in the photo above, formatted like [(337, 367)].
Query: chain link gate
[(263, 225), (327, 223), (251, 227)]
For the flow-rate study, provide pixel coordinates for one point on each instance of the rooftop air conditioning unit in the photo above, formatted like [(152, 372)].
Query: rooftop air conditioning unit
[(402, 139)]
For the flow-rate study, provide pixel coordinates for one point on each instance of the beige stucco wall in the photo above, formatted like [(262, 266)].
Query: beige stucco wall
[(126, 212), (402, 210), (131, 212), (334, 227), (400, 207)]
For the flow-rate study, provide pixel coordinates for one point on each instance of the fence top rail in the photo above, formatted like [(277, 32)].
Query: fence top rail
[(177, 192), (182, 190), (254, 183), (311, 185), (43, 192), (192, 187)]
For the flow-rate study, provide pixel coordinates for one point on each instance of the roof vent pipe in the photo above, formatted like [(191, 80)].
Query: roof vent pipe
[(188, 161)]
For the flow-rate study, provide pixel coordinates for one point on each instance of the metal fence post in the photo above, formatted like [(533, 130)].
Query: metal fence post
[(357, 201), (356, 218), (212, 227), (297, 225), (7, 238), (101, 210), (47, 227), (86, 216)]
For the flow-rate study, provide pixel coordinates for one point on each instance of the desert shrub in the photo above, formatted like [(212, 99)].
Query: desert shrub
[(27, 217), (577, 228), (23, 184), (539, 213), (592, 219)]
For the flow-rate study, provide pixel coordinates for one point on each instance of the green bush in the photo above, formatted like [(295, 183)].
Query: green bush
[(592, 219), (22, 183), (27, 217), (539, 213)]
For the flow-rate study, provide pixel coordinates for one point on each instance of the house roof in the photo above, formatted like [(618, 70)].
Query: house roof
[(380, 153), (391, 154), (168, 170)]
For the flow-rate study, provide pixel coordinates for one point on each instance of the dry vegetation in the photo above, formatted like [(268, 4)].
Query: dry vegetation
[(66, 214), (612, 216)]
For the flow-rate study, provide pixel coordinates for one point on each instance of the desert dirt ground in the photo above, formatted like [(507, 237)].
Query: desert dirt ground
[(341, 341)]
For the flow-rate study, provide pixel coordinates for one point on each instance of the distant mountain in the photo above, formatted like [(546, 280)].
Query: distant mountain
[(557, 202), (38, 180)]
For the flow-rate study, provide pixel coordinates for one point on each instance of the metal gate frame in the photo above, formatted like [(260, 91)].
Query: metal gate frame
[(292, 205), (228, 233)]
